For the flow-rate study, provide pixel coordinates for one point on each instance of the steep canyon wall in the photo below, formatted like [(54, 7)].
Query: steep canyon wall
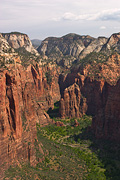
[(83, 95), (25, 95)]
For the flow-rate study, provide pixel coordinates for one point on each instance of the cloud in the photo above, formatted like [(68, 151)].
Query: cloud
[(112, 14), (105, 15), (103, 27), (69, 16), (117, 27)]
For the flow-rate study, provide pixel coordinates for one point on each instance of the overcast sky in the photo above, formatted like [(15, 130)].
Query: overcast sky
[(43, 18)]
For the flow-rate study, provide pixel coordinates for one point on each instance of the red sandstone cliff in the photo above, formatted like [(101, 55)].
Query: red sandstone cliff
[(73, 104), (106, 123), (24, 97), (82, 94)]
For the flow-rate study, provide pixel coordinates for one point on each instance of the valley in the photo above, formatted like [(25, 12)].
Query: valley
[(60, 107)]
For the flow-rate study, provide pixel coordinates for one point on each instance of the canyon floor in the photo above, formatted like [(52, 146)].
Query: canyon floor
[(71, 152)]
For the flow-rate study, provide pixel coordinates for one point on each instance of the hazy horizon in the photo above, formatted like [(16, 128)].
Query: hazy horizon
[(43, 18)]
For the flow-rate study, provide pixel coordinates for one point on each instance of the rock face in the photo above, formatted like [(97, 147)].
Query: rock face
[(18, 40), (24, 97), (95, 46), (81, 94), (106, 123), (113, 43), (72, 104), (4, 45), (72, 45)]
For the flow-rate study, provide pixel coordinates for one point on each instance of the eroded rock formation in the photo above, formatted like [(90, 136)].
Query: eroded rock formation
[(73, 104)]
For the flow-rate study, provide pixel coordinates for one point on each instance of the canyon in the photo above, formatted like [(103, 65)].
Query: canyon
[(28, 91)]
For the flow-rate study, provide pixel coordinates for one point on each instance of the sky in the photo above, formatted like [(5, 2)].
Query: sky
[(43, 18)]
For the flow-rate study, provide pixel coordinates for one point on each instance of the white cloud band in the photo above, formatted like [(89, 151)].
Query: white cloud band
[(106, 15)]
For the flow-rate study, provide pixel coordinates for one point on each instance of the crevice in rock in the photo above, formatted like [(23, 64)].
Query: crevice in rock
[(9, 94), (28, 153), (11, 106), (34, 74), (8, 116), (2, 124), (8, 80), (8, 148)]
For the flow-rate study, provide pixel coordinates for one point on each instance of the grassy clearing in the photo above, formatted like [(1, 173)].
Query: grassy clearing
[(69, 136), (73, 153)]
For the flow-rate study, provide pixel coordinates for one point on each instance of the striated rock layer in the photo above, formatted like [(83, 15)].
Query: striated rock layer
[(24, 97)]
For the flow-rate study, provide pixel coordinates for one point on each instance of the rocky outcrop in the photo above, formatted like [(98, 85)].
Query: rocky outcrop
[(73, 104), (59, 123), (4, 45), (25, 95), (83, 96), (113, 43), (17, 40), (76, 123), (109, 70), (95, 46)]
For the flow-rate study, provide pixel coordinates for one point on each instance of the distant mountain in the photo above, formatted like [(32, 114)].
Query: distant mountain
[(113, 43), (36, 43), (72, 44), (19, 40)]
